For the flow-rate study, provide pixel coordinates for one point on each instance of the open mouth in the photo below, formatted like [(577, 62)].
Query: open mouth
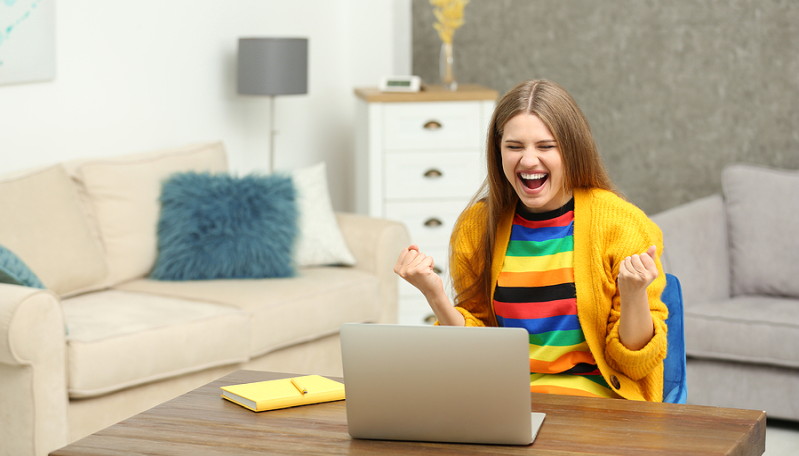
[(533, 181)]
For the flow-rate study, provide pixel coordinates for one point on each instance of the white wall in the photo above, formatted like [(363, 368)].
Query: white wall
[(138, 76)]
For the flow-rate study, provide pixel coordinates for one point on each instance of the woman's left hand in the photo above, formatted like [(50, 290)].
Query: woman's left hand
[(636, 272)]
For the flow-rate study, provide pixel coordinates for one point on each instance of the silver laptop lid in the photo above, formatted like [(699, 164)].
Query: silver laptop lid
[(441, 384)]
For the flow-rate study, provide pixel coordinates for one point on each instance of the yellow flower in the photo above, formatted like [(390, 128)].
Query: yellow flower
[(449, 17)]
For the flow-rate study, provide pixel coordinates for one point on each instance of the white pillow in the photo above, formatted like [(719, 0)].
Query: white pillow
[(320, 241)]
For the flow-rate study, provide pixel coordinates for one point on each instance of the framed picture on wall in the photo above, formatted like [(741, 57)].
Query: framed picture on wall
[(27, 41)]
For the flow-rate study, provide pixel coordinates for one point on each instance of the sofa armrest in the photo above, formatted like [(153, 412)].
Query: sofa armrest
[(33, 399), (376, 244), (696, 248)]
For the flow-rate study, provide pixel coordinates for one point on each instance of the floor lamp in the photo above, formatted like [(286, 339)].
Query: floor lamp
[(270, 67)]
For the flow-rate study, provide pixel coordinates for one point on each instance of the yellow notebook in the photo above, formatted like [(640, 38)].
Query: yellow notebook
[(284, 392)]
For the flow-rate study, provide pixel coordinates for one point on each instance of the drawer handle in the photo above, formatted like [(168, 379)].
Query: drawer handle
[(432, 125), (433, 173), (437, 270), (433, 223)]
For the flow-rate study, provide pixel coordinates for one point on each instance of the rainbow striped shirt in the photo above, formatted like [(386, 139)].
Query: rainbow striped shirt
[(535, 291)]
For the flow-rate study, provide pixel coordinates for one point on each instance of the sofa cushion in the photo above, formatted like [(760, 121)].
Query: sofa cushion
[(41, 210), (123, 195), (117, 339), (762, 229), (285, 311), (320, 240), (760, 330), (217, 226)]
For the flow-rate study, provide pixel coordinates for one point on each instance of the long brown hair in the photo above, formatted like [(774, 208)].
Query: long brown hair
[(582, 166)]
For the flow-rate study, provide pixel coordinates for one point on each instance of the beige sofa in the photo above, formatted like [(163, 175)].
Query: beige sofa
[(103, 342)]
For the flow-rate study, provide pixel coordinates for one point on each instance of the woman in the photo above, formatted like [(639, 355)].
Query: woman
[(548, 245)]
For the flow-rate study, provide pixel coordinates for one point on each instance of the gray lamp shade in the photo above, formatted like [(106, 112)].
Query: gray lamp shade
[(273, 66)]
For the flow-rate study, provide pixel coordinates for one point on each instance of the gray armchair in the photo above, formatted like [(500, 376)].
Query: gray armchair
[(736, 256)]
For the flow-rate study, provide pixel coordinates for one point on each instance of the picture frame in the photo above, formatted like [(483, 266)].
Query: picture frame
[(27, 41)]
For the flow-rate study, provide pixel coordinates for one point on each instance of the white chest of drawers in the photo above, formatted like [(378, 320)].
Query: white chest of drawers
[(419, 160)]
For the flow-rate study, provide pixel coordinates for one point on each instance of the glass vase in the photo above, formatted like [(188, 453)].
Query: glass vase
[(446, 64)]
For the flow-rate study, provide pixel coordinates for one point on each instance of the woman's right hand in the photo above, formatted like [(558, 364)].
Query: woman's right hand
[(417, 269)]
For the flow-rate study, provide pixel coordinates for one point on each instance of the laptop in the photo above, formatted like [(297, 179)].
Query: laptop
[(438, 384)]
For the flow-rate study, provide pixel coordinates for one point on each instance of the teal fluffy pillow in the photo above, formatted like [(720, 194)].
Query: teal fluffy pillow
[(217, 226), (15, 271)]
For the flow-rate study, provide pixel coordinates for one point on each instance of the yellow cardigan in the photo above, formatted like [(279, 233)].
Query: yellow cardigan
[(606, 230)]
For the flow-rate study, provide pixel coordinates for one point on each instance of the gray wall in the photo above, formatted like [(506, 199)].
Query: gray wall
[(674, 90)]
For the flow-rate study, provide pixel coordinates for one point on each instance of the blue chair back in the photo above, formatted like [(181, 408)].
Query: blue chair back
[(675, 387)]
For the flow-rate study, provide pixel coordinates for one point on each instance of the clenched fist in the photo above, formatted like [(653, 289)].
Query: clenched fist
[(417, 268), (638, 271)]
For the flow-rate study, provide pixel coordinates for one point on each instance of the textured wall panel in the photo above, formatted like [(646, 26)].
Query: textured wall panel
[(674, 90)]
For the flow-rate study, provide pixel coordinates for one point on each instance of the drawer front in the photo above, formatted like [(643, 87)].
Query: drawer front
[(415, 311), (432, 174), (429, 223), (449, 125)]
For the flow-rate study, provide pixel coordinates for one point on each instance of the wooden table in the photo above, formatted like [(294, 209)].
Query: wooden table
[(202, 423)]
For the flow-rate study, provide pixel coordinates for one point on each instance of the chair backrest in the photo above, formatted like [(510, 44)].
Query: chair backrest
[(675, 387)]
